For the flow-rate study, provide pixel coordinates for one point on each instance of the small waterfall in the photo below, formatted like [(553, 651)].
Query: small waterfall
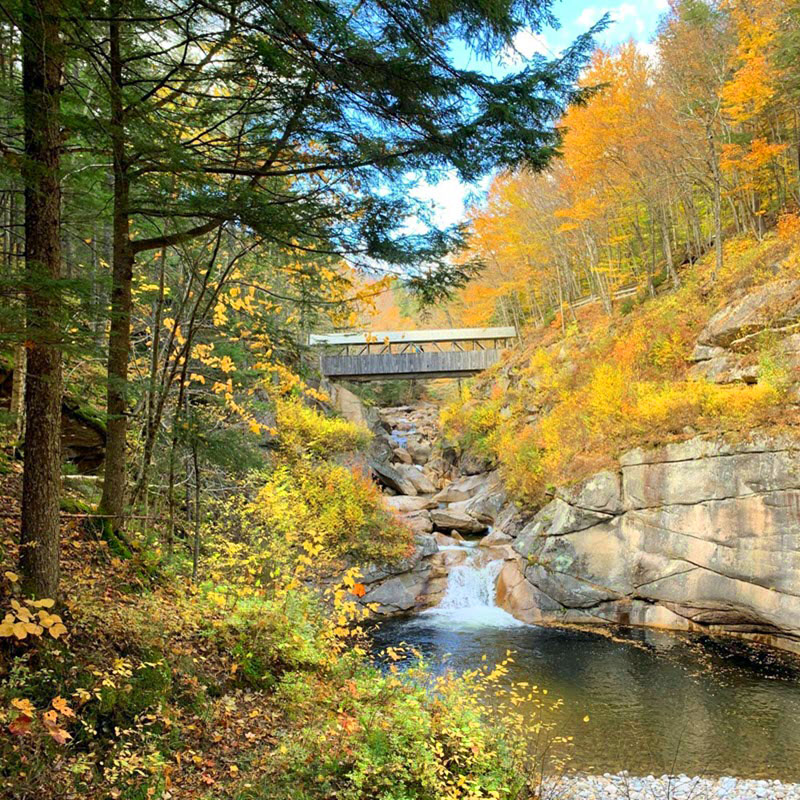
[(469, 600), (471, 586)]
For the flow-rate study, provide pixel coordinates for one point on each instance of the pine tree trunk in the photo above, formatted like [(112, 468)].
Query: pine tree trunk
[(42, 62), (113, 500)]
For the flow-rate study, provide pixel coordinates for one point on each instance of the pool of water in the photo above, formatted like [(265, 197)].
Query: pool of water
[(657, 703)]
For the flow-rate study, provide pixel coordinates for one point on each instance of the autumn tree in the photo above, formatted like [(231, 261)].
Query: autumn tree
[(305, 133)]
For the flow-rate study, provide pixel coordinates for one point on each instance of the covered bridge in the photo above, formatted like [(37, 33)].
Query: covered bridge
[(421, 354)]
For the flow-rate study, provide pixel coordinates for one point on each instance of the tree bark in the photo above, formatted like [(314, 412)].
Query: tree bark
[(42, 63), (717, 199), (113, 500), (18, 390)]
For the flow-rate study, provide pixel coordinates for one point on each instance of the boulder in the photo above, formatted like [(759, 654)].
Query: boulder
[(447, 519), (449, 558), (464, 488), (391, 478), (495, 538), (402, 455), (419, 449), (421, 482), (404, 504), (398, 593), (473, 464), (418, 521)]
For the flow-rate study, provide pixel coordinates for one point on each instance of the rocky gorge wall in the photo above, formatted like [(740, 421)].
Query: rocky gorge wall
[(702, 535)]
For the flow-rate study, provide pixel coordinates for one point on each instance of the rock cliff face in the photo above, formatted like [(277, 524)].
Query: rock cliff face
[(703, 535)]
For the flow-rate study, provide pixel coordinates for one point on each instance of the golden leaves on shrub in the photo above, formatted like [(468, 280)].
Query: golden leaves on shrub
[(25, 721), (31, 619)]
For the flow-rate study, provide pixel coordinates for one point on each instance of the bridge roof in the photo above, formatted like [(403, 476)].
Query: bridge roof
[(419, 337)]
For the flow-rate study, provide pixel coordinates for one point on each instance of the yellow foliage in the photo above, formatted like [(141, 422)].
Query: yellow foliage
[(302, 430)]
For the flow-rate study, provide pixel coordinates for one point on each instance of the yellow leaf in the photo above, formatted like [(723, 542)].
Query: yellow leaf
[(12, 576), (24, 705), (57, 630), (20, 631)]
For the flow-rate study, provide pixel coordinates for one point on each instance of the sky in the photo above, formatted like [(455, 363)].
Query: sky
[(629, 20)]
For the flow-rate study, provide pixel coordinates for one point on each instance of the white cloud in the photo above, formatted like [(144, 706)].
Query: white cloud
[(626, 13), (526, 44), (589, 16), (648, 49)]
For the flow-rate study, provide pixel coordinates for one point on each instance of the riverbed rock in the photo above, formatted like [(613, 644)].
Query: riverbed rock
[(419, 449), (421, 482), (443, 540), (464, 488), (494, 539), (391, 478), (404, 504), (702, 535), (402, 455), (451, 519), (418, 521)]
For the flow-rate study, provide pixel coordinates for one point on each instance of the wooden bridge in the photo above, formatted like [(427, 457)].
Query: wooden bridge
[(409, 355)]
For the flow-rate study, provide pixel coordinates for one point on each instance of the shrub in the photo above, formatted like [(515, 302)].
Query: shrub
[(321, 512), (302, 430)]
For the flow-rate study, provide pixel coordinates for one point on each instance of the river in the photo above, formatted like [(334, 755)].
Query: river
[(657, 703)]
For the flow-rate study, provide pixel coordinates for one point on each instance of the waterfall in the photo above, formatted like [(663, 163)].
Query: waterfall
[(471, 586), (469, 600)]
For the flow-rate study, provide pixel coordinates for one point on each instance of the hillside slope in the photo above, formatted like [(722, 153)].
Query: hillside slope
[(655, 453)]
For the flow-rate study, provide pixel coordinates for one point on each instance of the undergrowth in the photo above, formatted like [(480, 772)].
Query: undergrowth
[(255, 681)]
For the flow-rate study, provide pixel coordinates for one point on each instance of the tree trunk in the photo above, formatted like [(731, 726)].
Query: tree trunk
[(667, 242), (18, 391), (113, 500), (717, 178), (42, 62)]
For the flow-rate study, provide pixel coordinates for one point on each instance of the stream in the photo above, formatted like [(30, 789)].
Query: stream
[(657, 703)]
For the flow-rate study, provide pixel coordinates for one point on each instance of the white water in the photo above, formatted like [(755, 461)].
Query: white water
[(469, 601)]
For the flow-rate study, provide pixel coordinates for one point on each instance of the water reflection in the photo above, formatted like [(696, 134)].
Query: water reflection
[(657, 702)]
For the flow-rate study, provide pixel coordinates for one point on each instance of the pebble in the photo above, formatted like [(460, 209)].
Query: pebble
[(623, 786)]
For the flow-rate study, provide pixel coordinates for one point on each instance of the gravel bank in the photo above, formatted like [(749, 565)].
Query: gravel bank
[(679, 787)]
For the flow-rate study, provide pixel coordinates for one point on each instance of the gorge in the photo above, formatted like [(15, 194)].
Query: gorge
[(628, 589)]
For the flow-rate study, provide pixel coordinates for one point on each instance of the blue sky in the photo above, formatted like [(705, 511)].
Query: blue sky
[(628, 20)]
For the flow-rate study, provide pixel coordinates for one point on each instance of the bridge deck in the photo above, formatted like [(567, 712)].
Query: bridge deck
[(406, 355)]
